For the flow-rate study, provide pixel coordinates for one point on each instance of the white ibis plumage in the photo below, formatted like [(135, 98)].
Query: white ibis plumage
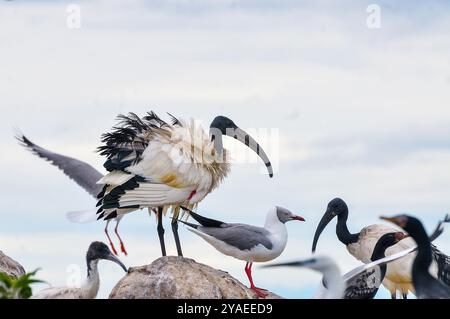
[(158, 165), (89, 289), (425, 283), (246, 242), (361, 245)]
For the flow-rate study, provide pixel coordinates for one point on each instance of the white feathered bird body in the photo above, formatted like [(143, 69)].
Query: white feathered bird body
[(152, 163)]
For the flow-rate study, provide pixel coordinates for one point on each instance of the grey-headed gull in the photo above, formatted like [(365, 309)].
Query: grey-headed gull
[(246, 242)]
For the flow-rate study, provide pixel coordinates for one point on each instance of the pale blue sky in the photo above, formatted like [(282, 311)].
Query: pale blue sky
[(362, 114)]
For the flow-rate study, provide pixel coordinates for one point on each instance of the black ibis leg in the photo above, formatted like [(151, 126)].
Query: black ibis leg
[(405, 296), (161, 231), (177, 238), (394, 296)]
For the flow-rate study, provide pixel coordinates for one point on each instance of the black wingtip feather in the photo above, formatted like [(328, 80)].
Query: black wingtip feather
[(206, 222)]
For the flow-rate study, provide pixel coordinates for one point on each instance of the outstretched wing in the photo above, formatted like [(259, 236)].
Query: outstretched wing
[(365, 285), (207, 222), (82, 173)]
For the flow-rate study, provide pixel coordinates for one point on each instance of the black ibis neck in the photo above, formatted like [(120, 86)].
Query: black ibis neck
[(379, 252), (342, 232), (424, 255)]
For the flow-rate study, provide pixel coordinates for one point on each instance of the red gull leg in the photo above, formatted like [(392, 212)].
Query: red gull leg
[(258, 291), (122, 246), (109, 239)]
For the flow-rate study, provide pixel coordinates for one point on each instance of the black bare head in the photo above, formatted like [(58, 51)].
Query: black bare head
[(337, 207), (98, 250), (223, 123)]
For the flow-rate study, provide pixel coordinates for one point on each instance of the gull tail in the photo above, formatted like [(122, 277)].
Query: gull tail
[(82, 216), (188, 224), (206, 222)]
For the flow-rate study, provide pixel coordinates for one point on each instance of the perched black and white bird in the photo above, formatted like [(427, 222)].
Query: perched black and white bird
[(159, 165), (425, 284), (361, 283), (89, 289), (361, 246), (246, 242)]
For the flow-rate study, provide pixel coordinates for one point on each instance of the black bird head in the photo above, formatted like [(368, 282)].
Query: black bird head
[(337, 207), (222, 125), (98, 250)]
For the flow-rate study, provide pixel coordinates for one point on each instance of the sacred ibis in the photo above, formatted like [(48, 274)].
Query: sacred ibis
[(159, 165), (89, 289), (246, 242)]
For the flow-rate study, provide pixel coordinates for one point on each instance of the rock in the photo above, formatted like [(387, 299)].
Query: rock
[(180, 278), (10, 267)]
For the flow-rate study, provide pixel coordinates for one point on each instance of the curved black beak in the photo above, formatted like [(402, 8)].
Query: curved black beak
[(326, 219), (113, 258), (224, 126)]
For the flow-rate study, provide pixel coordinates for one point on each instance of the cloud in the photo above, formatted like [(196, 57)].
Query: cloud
[(360, 113)]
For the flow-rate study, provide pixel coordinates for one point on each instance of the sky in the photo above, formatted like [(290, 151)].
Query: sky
[(359, 113)]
